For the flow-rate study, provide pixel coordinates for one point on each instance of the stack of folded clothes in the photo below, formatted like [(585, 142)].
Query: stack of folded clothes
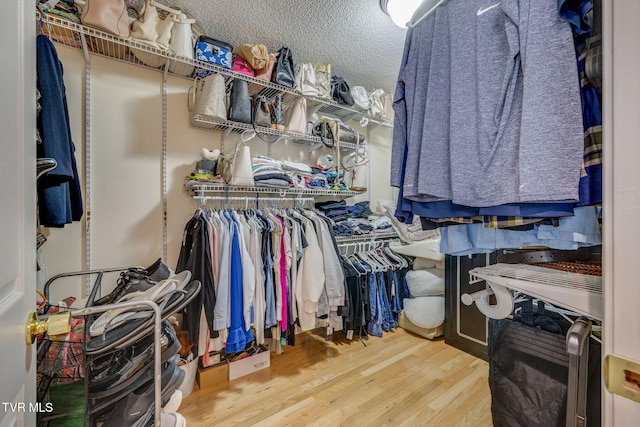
[(299, 173), (269, 173), (353, 220)]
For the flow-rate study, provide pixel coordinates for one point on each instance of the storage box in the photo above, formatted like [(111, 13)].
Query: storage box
[(249, 365), (212, 376)]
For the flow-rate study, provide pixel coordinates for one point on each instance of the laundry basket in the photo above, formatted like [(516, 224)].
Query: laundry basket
[(190, 369)]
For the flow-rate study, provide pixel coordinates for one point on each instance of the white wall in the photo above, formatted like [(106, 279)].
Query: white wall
[(126, 155)]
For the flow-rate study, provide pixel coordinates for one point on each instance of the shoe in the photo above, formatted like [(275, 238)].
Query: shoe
[(142, 388), (157, 294), (128, 364), (172, 419), (174, 402), (137, 408), (132, 280), (158, 271), (132, 330)]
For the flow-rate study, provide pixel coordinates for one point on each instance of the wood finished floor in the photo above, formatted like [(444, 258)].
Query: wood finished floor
[(398, 380)]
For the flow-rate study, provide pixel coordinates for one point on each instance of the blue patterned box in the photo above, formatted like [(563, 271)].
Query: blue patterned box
[(212, 51)]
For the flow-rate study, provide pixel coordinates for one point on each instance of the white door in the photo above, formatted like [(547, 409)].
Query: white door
[(622, 197), (17, 210)]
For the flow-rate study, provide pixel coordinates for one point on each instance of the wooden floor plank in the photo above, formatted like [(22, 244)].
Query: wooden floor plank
[(399, 379)]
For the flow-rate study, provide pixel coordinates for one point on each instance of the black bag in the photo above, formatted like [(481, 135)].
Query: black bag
[(345, 133), (340, 91), (240, 103), (283, 72), (324, 131), (528, 376)]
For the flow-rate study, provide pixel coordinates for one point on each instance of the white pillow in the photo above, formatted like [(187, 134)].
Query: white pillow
[(426, 312), (423, 263), (424, 283)]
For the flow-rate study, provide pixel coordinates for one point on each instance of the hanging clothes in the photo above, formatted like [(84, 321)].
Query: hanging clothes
[(59, 193)]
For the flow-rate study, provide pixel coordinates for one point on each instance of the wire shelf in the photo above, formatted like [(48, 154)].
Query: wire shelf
[(199, 189), (213, 123), (379, 235), (98, 42)]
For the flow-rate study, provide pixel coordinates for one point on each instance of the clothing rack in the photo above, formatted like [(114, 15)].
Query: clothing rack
[(296, 202)]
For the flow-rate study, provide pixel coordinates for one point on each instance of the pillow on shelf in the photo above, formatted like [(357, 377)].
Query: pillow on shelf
[(425, 312), (424, 283)]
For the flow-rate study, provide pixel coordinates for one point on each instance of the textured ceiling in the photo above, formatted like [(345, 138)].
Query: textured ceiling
[(354, 36)]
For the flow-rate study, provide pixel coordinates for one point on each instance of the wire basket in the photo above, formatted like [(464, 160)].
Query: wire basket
[(589, 267)]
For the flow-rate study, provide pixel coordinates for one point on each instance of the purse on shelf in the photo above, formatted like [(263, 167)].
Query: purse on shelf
[(240, 102), (340, 91), (150, 29), (262, 112), (182, 44), (266, 72), (323, 80), (305, 79), (256, 55), (375, 103), (242, 172), (360, 97), (208, 97), (109, 16), (242, 66), (283, 72), (297, 116), (214, 52), (387, 106), (323, 130)]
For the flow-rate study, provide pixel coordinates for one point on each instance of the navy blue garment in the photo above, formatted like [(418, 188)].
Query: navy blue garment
[(375, 324), (383, 297), (238, 336), (590, 187), (59, 194)]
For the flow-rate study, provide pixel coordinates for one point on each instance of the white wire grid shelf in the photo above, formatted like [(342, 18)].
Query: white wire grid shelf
[(198, 189), (213, 123), (73, 35), (579, 292), (376, 235)]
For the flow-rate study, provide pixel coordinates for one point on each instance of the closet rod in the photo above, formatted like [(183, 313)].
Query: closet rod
[(429, 12), (256, 200)]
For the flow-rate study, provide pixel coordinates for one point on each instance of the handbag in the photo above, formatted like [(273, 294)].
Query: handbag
[(324, 131), (256, 55), (297, 116), (211, 99), (266, 72), (340, 91), (305, 80), (240, 102), (323, 80), (242, 172), (387, 106), (214, 52), (152, 30), (283, 72), (360, 97), (109, 16), (375, 103), (242, 66), (262, 112), (181, 43)]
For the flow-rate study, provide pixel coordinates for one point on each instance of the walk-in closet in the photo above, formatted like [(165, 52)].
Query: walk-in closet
[(374, 212)]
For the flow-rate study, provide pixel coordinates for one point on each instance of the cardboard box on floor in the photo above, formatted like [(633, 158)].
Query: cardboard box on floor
[(214, 375)]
